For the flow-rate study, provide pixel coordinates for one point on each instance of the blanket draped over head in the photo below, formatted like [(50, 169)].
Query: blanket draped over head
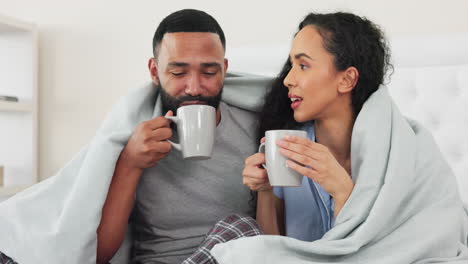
[(405, 206), (55, 221)]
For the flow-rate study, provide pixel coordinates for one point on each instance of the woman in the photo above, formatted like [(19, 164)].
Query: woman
[(377, 174), (336, 62)]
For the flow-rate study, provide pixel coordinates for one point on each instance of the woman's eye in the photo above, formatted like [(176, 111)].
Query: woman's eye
[(303, 67)]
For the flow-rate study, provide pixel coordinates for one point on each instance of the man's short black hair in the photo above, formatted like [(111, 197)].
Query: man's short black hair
[(187, 20)]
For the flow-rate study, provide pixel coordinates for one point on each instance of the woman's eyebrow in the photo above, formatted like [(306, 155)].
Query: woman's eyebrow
[(300, 55)]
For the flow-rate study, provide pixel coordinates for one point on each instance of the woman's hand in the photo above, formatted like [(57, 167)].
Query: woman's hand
[(316, 162), (254, 175)]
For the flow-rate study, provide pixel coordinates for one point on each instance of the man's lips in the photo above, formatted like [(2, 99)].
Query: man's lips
[(193, 103)]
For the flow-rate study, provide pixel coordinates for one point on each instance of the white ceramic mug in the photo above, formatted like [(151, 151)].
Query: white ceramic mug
[(279, 174), (196, 126)]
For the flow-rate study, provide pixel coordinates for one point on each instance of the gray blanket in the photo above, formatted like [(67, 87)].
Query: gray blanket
[(405, 207), (55, 221)]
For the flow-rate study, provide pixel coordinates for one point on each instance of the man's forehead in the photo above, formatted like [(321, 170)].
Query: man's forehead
[(175, 38), (191, 47)]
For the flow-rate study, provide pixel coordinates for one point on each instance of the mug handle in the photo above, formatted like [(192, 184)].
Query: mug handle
[(261, 149), (176, 120)]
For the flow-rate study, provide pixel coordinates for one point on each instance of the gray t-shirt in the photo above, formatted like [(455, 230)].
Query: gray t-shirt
[(178, 201)]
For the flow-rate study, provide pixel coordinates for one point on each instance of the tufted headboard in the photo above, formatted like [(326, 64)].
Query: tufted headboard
[(429, 84)]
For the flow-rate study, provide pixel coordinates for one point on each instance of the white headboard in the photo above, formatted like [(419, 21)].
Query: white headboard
[(429, 84)]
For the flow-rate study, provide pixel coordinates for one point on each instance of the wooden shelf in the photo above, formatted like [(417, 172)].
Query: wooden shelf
[(15, 106), (10, 191), (18, 120)]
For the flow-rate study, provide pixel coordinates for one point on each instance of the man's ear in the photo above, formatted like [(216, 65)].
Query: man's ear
[(153, 69), (226, 64), (349, 80)]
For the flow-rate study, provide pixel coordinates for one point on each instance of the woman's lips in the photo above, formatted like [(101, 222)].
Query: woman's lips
[(295, 101), (296, 104)]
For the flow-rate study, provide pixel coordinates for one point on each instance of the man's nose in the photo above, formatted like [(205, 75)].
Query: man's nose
[(193, 86)]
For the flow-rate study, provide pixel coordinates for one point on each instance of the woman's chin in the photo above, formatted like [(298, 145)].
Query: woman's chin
[(301, 118)]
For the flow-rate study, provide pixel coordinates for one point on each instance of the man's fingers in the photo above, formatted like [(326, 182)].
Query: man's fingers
[(160, 146), (160, 134), (157, 122)]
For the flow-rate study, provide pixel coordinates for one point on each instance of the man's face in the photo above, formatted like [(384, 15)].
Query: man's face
[(190, 68)]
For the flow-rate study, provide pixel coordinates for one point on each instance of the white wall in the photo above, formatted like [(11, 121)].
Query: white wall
[(92, 52)]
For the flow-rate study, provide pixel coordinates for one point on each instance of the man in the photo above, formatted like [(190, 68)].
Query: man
[(172, 203)]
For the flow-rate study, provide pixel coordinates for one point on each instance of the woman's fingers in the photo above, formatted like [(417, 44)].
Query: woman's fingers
[(255, 160), (301, 158), (305, 142), (253, 173), (308, 172), (253, 176), (300, 149)]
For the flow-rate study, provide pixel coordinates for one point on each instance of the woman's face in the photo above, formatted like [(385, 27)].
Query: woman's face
[(313, 80)]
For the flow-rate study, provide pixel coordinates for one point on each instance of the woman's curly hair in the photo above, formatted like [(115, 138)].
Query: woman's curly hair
[(352, 41)]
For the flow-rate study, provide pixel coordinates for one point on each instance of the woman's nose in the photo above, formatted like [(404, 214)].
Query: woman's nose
[(290, 80)]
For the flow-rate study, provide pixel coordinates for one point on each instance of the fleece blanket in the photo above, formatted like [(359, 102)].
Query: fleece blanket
[(405, 207), (55, 221)]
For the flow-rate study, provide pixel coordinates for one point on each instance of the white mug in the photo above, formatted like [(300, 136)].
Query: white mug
[(279, 174), (196, 126)]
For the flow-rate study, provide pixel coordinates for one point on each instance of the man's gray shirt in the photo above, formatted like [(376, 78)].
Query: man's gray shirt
[(178, 201)]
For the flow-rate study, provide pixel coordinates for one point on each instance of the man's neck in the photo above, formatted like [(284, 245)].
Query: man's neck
[(218, 115)]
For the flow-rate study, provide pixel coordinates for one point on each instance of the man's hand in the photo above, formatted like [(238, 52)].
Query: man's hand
[(148, 143), (146, 147)]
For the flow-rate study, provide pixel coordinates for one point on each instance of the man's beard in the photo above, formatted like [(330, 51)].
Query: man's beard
[(172, 103)]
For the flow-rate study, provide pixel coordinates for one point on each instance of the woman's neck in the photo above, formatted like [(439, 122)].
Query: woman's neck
[(335, 134)]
